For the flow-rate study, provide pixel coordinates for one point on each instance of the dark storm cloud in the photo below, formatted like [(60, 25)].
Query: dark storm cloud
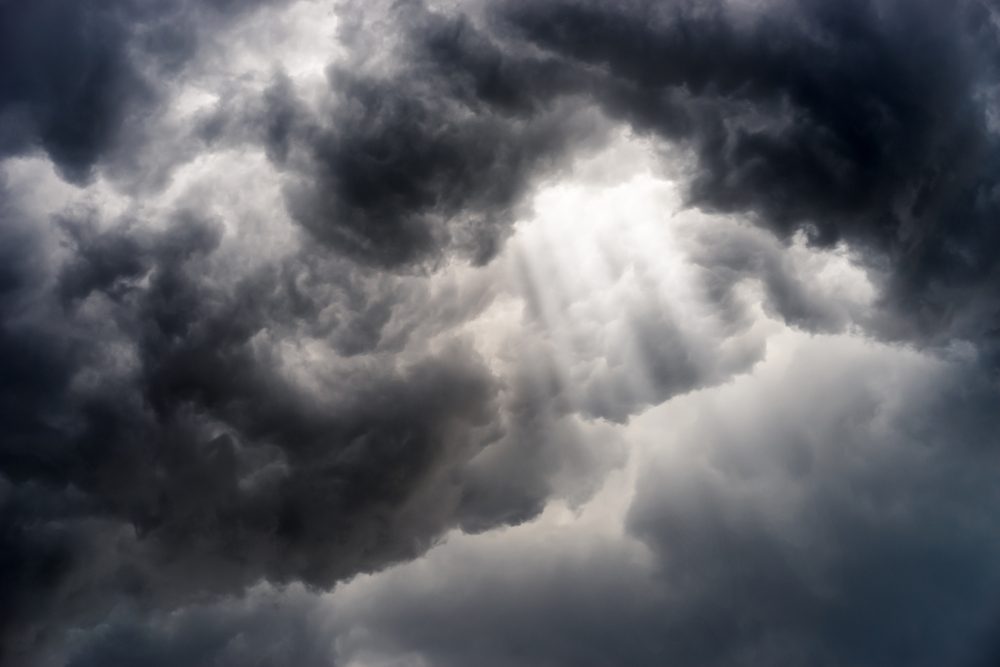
[(67, 99), (431, 153), (865, 535), (160, 447), (75, 75), (168, 437), (266, 628), (865, 122), (862, 121), (157, 448)]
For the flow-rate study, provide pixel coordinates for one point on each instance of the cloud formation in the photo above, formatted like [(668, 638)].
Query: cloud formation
[(741, 545), (300, 301)]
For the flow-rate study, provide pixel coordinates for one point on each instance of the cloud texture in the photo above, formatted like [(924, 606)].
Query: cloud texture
[(566, 332)]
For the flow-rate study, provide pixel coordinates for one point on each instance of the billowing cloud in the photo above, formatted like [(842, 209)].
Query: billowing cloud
[(864, 535), (866, 122), (562, 332)]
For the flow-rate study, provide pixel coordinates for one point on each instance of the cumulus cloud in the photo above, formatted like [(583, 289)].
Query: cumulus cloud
[(79, 77), (863, 121), (314, 314), (864, 535), (212, 421)]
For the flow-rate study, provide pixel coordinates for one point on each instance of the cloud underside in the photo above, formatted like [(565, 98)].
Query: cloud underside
[(562, 332)]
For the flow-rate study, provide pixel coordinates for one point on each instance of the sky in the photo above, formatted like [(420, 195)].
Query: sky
[(437, 333)]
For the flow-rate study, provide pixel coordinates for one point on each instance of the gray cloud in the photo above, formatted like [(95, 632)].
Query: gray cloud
[(159, 448), (863, 122), (265, 628), (180, 427), (79, 77), (825, 521), (184, 416), (821, 519), (430, 151)]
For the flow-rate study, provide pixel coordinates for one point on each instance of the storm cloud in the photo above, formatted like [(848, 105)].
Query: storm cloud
[(505, 333)]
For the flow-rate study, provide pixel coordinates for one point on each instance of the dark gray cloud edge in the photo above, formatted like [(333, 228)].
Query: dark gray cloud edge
[(864, 122)]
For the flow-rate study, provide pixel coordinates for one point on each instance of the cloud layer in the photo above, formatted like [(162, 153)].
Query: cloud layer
[(562, 332)]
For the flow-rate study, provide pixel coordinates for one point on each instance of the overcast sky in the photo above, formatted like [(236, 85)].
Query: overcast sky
[(506, 333)]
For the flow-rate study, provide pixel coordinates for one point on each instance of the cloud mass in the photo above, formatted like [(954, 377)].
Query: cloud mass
[(567, 332)]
